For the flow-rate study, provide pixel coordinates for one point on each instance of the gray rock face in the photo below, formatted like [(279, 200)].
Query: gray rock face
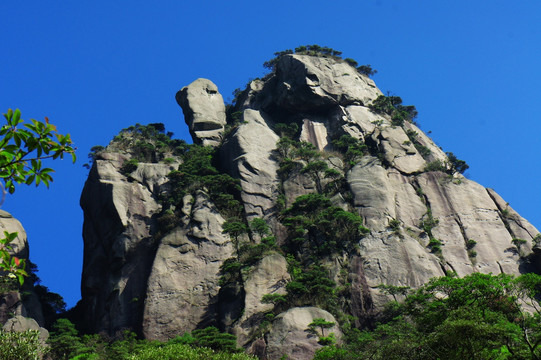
[(269, 276), (204, 111), (182, 290), (10, 224), (306, 83), (166, 285), (11, 303), (249, 155), (119, 247), (289, 335)]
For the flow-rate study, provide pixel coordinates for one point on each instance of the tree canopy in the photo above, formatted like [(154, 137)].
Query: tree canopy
[(23, 146)]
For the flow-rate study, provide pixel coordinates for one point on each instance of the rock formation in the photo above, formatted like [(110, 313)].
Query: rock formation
[(204, 111), (18, 312), (424, 218)]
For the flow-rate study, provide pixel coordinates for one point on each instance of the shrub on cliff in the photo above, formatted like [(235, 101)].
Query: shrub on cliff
[(480, 316)]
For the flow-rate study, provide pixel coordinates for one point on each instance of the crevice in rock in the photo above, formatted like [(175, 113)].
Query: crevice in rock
[(500, 266), (419, 191), (501, 214), (362, 305), (464, 236), (443, 268), (451, 266)]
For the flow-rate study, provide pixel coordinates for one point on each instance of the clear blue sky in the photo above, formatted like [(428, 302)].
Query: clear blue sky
[(472, 69)]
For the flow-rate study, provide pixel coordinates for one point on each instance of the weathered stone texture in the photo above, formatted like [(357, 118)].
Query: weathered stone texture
[(204, 111)]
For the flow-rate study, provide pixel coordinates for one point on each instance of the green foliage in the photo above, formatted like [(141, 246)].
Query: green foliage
[(22, 149), (394, 290), (334, 352), (366, 70), (24, 146), (129, 166), (423, 150), (326, 228), (351, 62), (394, 225), (320, 323), (172, 351), (451, 166), (64, 340), (21, 345), (12, 265), (470, 244), (455, 164), (248, 253), (518, 244), (276, 299), (392, 106), (327, 340), (287, 130), (206, 343), (212, 338), (312, 286), (428, 222), (147, 143), (436, 165), (8, 284), (353, 149), (197, 171), (94, 154), (260, 227), (479, 316), (536, 239), (289, 152)]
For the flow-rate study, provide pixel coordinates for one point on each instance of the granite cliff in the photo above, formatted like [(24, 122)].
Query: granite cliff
[(317, 180)]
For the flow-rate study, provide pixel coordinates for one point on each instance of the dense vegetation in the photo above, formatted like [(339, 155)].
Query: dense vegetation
[(479, 316), (65, 343)]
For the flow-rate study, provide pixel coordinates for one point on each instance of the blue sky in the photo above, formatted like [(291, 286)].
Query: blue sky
[(470, 67)]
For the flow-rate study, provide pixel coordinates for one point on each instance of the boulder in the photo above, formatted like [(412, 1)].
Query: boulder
[(204, 111), (290, 336), (20, 323), (308, 83)]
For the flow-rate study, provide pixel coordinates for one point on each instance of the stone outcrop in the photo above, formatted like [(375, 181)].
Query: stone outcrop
[(20, 323), (182, 291), (289, 335), (164, 283), (11, 302), (311, 84), (119, 247), (204, 111)]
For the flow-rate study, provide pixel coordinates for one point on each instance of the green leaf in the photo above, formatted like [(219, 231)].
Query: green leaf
[(16, 116)]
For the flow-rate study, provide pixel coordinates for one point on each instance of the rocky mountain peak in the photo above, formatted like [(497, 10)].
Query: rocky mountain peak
[(313, 191)]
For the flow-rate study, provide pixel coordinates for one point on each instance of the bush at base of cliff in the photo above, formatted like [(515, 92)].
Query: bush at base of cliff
[(21, 345), (185, 352), (479, 316)]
